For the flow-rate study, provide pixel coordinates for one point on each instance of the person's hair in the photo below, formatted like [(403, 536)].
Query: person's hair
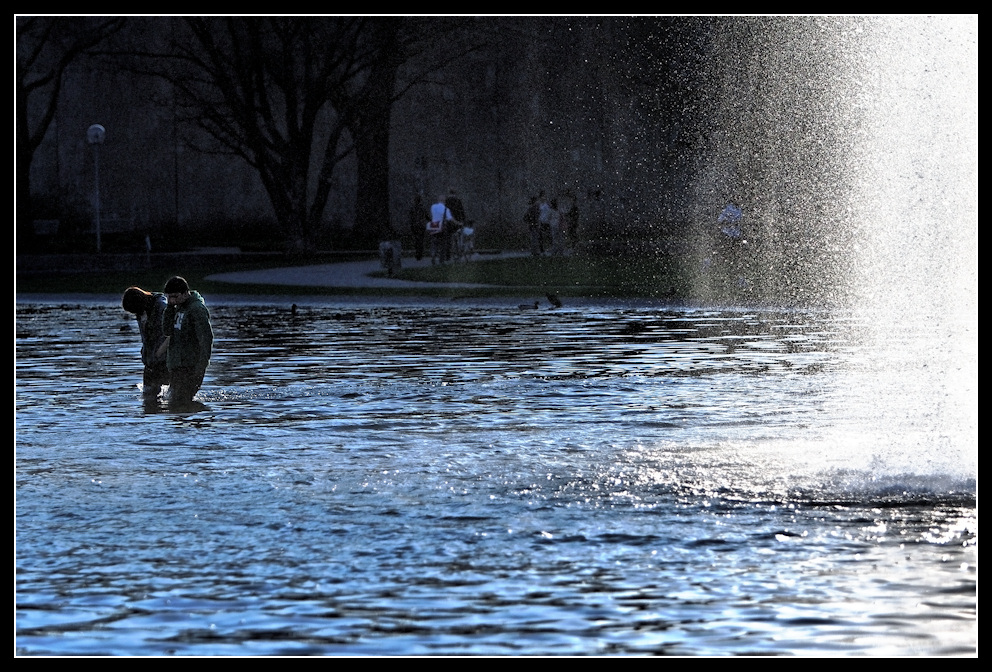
[(135, 300), (176, 285)]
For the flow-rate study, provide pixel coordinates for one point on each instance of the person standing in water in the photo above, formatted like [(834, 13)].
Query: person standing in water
[(189, 340), (148, 309)]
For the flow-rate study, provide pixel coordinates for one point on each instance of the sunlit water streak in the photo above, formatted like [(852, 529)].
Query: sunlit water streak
[(469, 478)]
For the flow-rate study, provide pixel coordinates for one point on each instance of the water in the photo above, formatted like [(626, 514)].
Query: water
[(469, 478)]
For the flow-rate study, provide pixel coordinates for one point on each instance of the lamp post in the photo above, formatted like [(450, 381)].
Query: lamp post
[(95, 135)]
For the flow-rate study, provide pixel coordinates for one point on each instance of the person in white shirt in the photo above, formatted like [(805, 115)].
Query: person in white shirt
[(441, 221)]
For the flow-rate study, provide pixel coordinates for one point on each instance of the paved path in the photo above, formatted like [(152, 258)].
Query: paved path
[(343, 274)]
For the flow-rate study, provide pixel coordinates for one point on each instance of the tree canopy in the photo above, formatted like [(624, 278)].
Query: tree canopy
[(46, 47), (293, 97)]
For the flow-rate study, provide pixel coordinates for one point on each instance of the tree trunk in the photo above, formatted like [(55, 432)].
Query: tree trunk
[(24, 230), (372, 223), (371, 136)]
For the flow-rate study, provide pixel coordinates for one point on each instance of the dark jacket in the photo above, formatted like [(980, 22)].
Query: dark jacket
[(150, 326), (192, 337), (532, 213), (457, 209)]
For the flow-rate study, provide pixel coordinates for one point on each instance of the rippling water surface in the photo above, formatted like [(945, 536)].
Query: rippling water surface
[(472, 478)]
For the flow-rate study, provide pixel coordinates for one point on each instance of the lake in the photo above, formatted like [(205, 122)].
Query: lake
[(471, 477)]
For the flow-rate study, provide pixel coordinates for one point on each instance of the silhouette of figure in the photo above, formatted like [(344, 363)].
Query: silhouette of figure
[(556, 229), (572, 225), (733, 244), (544, 222), (531, 216), (458, 219)]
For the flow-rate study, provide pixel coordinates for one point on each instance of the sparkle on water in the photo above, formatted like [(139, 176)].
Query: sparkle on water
[(371, 479)]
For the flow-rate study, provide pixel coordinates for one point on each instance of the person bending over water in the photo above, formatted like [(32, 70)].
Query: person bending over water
[(148, 309)]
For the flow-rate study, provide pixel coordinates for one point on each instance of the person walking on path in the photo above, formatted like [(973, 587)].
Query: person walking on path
[(148, 309), (189, 341), (544, 222), (458, 220), (572, 225), (441, 222), (557, 229), (531, 220)]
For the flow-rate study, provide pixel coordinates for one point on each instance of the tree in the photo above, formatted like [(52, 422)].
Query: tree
[(428, 45), (46, 46), (370, 128), (293, 97), (261, 88)]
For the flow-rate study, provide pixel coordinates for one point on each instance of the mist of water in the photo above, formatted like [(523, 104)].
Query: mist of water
[(852, 145), (914, 287)]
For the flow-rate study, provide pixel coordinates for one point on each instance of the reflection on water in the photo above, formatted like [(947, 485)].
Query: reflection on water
[(470, 478)]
